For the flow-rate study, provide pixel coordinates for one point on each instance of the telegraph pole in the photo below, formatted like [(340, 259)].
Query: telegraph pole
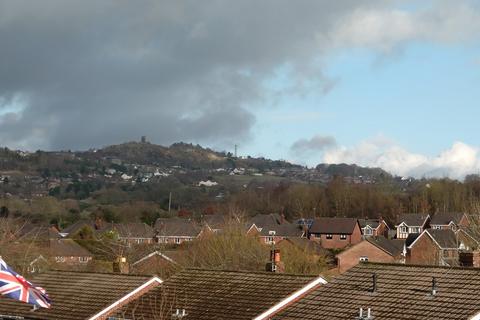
[(170, 202)]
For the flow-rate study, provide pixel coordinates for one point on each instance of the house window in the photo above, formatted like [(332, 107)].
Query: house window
[(269, 240), (415, 230), (368, 231), (177, 240), (363, 259), (83, 259), (60, 259), (329, 236), (437, 227), (403, 229), (343, 237)]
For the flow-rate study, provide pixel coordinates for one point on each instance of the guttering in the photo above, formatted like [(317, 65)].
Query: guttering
[(292, 298)]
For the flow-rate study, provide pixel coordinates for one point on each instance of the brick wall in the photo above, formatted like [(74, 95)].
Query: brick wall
[(351, 257), (424, 251)]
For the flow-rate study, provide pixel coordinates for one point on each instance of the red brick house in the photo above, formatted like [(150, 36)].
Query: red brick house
[(335, 233), (131, 233), (439, 247), (411, 223), (273, 228), (372, 249), (177, 231), (374, 227), (67, 252), (452, 220)]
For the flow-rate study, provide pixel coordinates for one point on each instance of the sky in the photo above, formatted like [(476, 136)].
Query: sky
[(390, 84)]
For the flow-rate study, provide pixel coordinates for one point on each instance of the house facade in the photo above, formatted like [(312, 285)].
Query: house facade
[(412, 223), (452, 221), (435, 247), (178, 231), (372, 249), (335, 233), (374, 227)]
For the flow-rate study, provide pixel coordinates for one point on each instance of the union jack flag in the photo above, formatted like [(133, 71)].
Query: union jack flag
[(14, 286)]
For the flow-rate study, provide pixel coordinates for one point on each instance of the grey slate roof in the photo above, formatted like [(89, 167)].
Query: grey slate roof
[(176, 227), (286, 229), (403, 293), (392, 247), (75, 295), (68, 248), (445, 238), (412, 219), (446, 218), (215, 294), (333, 225), (130, 230), (373, 223), (261, 220)]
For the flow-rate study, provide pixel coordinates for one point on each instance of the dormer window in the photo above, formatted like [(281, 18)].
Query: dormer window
[(368, 231)]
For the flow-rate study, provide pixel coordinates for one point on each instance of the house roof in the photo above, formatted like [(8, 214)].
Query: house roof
[(413, 219), (285, 229), (33, 232), (215, 294), (215, 221), (75, 295), (411, 238), (373, 223), (446, 218), (446, 238), (68, 248), (334, 225), (261, 220), (176, 227), (131, 230), (403, 292), (392, 247), (77, 226)]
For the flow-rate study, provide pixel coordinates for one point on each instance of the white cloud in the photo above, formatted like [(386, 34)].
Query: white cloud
[(456, 162), (385, 29)]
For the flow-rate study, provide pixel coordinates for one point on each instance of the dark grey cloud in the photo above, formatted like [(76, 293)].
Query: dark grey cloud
[(90, 73), (317, 143)]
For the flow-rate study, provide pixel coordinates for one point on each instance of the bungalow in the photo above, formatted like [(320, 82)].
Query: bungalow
[(216, 294), (80, 295), (272, 228), (411, 223), (131, 233), (335, 233), (374, 227), (391, 291), (177, 231), (372, 249), (68, 252), (451, 220)]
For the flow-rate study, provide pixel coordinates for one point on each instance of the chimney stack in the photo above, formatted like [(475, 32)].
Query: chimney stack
[(120, 265), (275, 264)]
